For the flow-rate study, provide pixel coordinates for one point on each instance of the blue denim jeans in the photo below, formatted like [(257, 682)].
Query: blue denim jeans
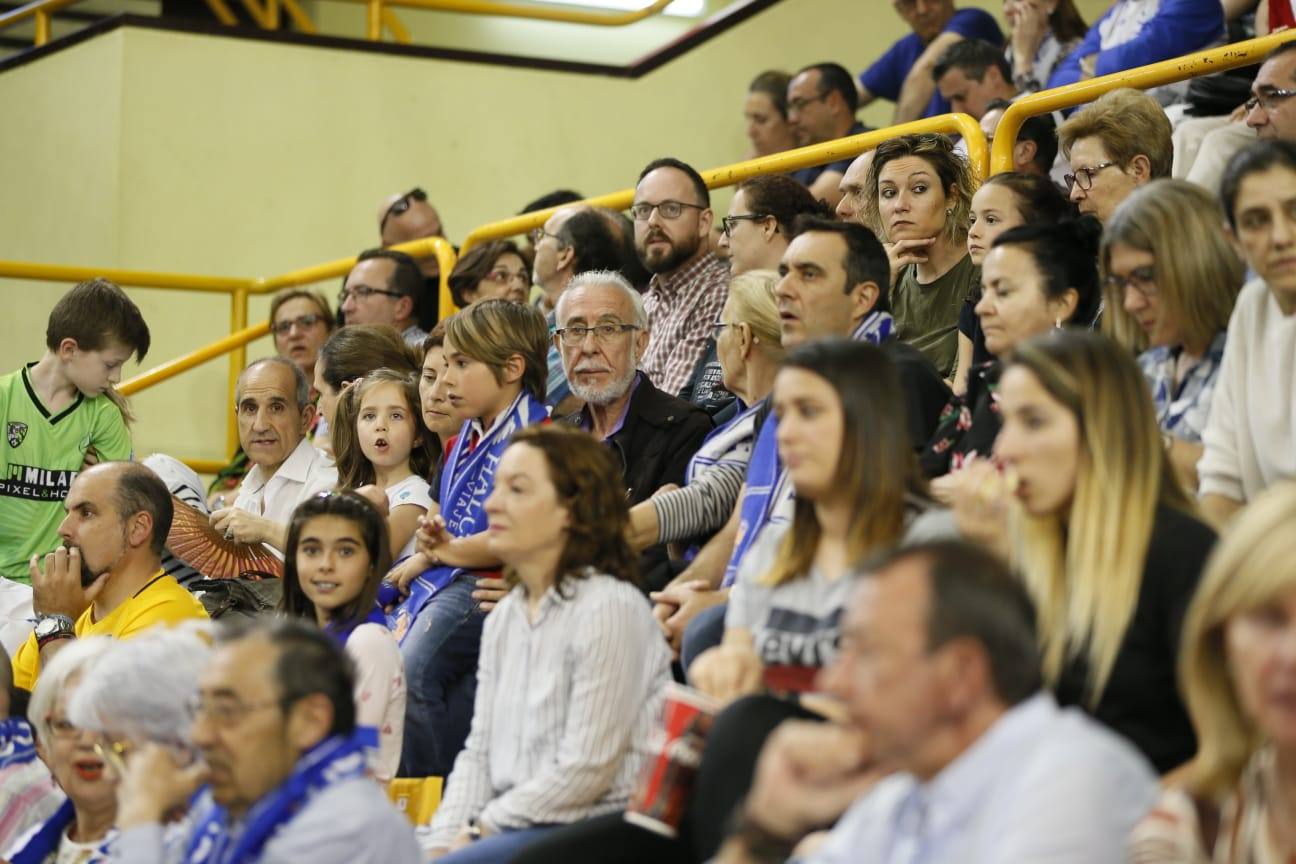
[(706, 630), (498, 848), (440, 654)]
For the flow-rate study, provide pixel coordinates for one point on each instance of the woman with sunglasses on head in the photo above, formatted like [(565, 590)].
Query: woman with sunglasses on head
[(1171, 282), (494, 270)]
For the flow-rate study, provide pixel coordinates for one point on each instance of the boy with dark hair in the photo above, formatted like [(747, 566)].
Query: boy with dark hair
[(60, 414)]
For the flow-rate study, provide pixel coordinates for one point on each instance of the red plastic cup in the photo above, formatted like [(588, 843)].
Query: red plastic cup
[(664, 788)]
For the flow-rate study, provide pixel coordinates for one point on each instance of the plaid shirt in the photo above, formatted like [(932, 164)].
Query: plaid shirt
[(681, 309)]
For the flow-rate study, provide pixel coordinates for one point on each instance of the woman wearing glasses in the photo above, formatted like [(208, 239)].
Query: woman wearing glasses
[(494, 270), (1171, 279)]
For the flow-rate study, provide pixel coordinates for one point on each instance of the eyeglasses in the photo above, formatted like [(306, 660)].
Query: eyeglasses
[(305, 322), (801, 102), (400, 205), (719, 327), (727, 224), (1141, 279), (574, 336), (503, 277), (113, 753), (1268, 98), (668, 209), (1084, 176), (538, 234), (226, 712), (363, 292), (60, 727)]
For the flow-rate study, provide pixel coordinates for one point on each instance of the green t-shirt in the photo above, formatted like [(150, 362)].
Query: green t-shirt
[(927, 315), (41, 456)]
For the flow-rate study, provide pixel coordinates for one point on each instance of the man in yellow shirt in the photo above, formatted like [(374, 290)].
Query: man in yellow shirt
[(107, 578)]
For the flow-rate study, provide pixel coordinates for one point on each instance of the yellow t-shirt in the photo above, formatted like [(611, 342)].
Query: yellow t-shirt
[(162, 601)]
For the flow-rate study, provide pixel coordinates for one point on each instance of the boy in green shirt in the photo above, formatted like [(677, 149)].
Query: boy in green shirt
[(58, 415)]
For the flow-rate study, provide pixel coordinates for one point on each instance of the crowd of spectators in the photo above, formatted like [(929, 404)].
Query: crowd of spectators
[(956, 510)]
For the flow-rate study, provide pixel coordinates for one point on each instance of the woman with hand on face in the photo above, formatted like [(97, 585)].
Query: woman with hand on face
[(572, 666), (1004, 201), (1034, 279), (766, 113), (1041, 35), (1236, 666), (920, 193), (1171, 281), (1109, 545), (491, 271)]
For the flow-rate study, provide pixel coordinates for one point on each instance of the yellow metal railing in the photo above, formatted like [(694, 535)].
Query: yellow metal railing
[(379, 14), (42, 11), (1245, 53)]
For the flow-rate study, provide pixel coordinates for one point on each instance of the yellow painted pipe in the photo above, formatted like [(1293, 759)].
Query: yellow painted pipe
[(237, 360), (536, 12), (779, 163), (395, 26), (373, 20), (171, 368), (133, 278), (205, 466), (1214, 60)]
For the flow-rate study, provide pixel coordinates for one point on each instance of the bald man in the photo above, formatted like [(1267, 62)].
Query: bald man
[(402, 218)]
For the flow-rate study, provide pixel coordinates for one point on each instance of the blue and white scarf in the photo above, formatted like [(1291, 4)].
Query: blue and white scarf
[(721, 446), (769, 493), (466, 481), (43, 842), (17, 743), (328, 763)]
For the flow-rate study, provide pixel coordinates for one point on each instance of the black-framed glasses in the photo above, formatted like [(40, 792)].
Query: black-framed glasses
[(538, 234), (1268, 98), (575, 335), (727, 223), (361, 292), (1084, 177), (400, 205), (1141, 279), (305, 322), (798, 104), (225, 711), (642, 211)]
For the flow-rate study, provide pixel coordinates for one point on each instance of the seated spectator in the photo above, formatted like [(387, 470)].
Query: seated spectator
[(859, 492), (84, 821), (1036, 149), (572, 667), (1226, 807), (438, 416), (821, 102), (1134, 33), (756, 234), (350, 354), (1251, 426), (300, 322), (494, 380), (384, 287), (1171, 282), (672, 221), (1035, 278), (766, 113), (903, 73), (384, 454), (971, 74), (272, 399), (493, 270), (1269, 110), (92, 331), (573, 241), (1115, 144), (851, 206), (106, 579), (750, 350), (28, 793), (602, 332), (412, 217), (1003, 201), (556, 198), (336, 557), (920, 192), (939, 675), (275, 722), (1040, 39), (1103, 534)]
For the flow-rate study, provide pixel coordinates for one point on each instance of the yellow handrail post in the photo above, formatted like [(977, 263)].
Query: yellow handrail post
[(272, 15), (1245, 53), (42, 26), (238, 359), (300, 19), (374, 21), (395, 26)]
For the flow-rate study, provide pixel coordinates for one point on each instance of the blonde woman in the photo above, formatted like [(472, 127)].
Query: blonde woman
[(1236, 666), (1170, 280), (1100, 529), (920, 192)]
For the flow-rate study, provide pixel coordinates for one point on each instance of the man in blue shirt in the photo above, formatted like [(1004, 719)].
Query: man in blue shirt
[(822, 101), (951, 751), (904, 73)]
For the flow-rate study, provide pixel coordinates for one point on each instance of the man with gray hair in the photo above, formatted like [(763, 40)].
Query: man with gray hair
[(274, 413), (602, 333)]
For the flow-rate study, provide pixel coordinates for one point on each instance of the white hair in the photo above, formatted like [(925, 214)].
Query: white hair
[(72, 661), (143, 688), (591, 278)]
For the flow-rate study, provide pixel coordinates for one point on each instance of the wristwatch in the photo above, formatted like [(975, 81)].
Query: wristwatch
[(53, 627)]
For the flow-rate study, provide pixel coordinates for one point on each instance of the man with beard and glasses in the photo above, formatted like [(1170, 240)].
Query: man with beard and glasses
[(672, 226), (602, 332), (107, 578)]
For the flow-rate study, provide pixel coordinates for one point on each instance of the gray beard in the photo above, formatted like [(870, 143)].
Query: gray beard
[(608, 393)]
